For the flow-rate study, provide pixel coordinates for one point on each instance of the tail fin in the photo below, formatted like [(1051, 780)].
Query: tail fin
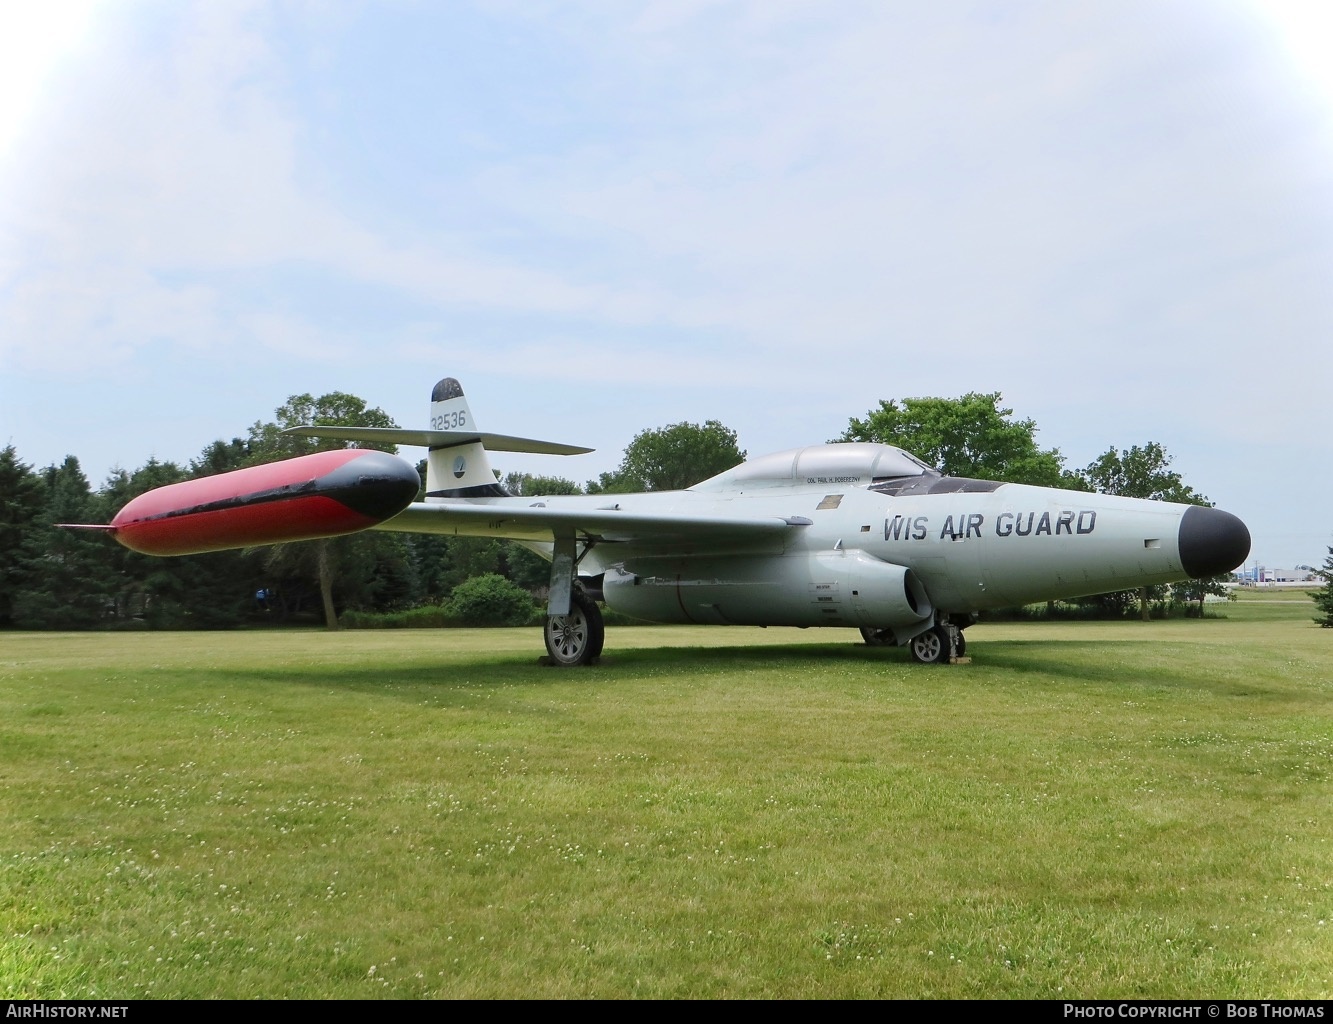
[(461, 469)]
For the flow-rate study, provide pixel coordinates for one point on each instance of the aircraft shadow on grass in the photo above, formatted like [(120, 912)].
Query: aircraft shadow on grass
[(1053, 663)]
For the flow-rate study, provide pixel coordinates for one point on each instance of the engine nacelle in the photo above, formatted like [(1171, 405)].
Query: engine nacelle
[(826, 588)]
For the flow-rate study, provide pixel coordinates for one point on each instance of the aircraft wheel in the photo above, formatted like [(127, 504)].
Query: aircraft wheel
[(959, 644), (878, 637), (931, 647), (576, 638)]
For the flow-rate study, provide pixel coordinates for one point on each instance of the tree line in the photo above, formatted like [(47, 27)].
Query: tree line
[(54, 578)]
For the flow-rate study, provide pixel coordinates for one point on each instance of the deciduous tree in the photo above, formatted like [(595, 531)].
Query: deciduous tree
[(1145, 472), (971, 436), (339, 561), (1141, 473), (336, 409), (672, 458), (529, 484), (491, 600)]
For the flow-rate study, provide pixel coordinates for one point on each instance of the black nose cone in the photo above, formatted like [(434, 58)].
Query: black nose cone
[(376, 484), (1211, 541)]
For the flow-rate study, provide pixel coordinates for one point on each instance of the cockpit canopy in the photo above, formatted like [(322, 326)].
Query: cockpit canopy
[(851, 464)]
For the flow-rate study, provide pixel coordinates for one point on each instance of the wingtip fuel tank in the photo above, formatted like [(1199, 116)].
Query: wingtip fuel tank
[(327, 494)]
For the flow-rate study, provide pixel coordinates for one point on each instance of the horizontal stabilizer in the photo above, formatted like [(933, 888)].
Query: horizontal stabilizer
[(439, 439)]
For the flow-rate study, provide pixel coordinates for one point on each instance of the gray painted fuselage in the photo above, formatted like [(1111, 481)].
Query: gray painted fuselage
[(844, 553)]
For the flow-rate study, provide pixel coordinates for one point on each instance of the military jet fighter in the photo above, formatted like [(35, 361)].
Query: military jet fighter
[(856, 535)]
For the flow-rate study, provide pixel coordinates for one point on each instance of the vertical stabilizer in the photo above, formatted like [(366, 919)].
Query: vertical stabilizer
[(458, 470)]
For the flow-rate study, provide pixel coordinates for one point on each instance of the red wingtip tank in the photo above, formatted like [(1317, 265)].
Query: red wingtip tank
[(327, 494)]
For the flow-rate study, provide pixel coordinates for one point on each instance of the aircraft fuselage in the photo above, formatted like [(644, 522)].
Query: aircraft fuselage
[(1007, 545)]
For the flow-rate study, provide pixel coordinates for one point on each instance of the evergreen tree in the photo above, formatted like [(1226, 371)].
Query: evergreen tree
[(1323, 599), (21, 502), (67, 576), (209, 591)]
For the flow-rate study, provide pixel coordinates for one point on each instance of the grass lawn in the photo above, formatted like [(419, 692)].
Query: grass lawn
[(1086, 810)]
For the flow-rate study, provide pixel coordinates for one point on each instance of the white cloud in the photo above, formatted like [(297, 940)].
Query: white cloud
[(161, 173), (1118, 215), (35, 39)]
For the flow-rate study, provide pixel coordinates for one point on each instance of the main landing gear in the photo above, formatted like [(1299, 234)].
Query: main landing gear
[(576, 638), (938, 644), (935, 646)]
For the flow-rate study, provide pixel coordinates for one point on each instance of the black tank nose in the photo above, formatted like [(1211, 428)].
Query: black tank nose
[(1211, 541)]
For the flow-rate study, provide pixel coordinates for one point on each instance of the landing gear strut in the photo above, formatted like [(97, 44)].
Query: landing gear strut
[(576, 638)]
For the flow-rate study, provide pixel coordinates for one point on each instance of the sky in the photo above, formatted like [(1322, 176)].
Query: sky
[(608, 217)]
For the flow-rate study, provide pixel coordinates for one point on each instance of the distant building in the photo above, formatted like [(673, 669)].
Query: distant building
[(1256, 575)]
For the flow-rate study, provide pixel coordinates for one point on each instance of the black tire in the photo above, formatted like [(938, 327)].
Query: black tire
[(598, 629), (931, 647), (576, 638), (959, 644), (878, 637)]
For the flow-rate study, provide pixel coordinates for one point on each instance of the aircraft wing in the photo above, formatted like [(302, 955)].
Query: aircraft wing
[(642, 529), (439, 439)]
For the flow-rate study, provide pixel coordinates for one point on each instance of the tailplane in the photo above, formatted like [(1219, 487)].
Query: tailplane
[(457, 463)]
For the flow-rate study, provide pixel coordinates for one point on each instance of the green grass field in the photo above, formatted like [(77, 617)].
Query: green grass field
[(1085, 810)]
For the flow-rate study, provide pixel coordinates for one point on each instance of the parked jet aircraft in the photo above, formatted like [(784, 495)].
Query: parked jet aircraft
[(855, 535)]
